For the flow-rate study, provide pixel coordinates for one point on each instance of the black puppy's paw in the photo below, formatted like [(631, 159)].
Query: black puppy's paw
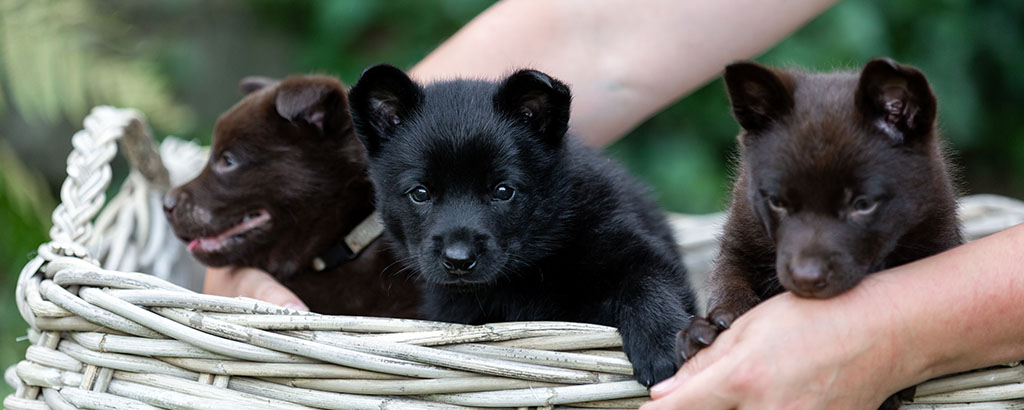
[(651, 369), (650, 353)]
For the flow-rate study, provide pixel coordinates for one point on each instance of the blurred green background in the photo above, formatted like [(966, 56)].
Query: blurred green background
[(179, 62)]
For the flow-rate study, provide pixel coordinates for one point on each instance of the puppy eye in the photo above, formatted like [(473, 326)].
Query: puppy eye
[(863, 206), (526, 113), (419, 194), (777, 204), (503, 193), (226, 162)]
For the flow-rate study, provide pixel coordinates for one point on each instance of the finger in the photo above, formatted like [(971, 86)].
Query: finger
[(219, 281), (252, 283), (277, 294), (264, 287), (705, 358), (699, 391), (665, 387), (694, 366)]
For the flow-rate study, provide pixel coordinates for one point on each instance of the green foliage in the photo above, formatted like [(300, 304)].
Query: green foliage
[(25, 207), (53, 67), (343, 37)]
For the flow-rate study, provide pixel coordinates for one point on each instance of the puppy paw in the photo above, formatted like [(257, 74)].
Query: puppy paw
[(651, 370), (722, 317), (700, 334)]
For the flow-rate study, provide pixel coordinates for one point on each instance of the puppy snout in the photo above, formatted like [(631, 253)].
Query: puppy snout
[(809, 273), (458, 258)]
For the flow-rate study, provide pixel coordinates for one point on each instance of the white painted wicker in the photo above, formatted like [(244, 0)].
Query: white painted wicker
[(106, 337)]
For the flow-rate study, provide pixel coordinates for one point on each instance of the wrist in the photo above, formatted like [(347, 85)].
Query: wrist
[(890, 342)]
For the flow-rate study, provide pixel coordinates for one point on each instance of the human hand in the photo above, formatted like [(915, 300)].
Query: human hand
[(793, 353), (252, 283)]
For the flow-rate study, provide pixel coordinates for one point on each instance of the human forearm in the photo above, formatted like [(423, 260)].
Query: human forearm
[(624, 60), (959, 310)]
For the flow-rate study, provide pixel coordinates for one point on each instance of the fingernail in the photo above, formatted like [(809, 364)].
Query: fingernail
[(297, 306), (666, 385)]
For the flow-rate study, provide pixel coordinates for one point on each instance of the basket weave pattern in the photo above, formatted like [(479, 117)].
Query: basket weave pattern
[(106, 337)]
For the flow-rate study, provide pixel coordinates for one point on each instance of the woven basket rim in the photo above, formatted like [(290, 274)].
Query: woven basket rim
[(105, 337)]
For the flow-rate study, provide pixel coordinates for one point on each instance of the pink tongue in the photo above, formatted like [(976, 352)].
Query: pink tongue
[(214, 242), (206, 244)]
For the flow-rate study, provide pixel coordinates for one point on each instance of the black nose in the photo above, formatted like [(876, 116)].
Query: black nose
[(458, 258)]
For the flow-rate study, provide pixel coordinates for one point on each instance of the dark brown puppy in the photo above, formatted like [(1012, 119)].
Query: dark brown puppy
[(284, 188), (840, 175)]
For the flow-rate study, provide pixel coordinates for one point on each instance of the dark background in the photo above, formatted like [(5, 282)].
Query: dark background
[(179, 62)]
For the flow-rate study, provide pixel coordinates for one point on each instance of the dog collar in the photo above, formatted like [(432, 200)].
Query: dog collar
[(351, 245)]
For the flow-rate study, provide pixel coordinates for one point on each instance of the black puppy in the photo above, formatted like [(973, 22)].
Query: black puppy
[(507, 218), (841, 175)]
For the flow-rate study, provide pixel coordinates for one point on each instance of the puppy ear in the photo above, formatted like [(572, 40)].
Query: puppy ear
[(896, 100), (254, 83), (317, 101), (760, 96), (537, 100), (381, 100)]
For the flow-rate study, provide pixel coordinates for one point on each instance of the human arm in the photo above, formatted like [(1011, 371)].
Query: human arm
[(955, 311), (250, 282), (624, 60)]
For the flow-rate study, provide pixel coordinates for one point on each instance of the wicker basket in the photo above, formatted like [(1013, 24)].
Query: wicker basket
[(106, 337)]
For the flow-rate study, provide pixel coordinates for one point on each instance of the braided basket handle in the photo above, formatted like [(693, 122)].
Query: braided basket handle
[(138, 146), (83, 193)]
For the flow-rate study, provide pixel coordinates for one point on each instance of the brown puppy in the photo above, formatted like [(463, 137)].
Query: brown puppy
[(286, 191), (841, 175)]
